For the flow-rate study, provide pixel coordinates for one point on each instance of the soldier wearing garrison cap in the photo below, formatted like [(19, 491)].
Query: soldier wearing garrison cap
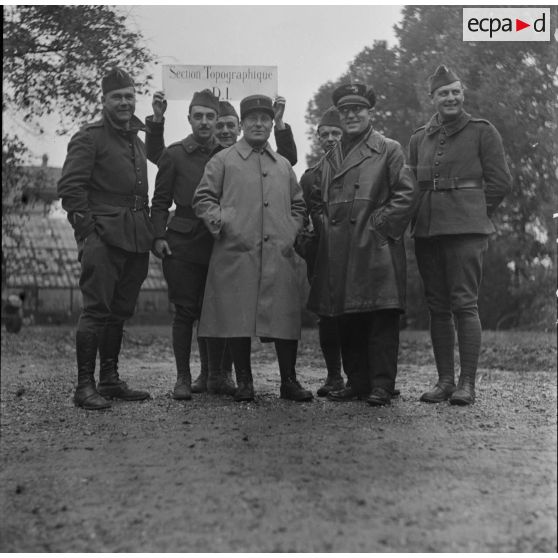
[(361, 205), (462, 174), (226, 131), (251, 202), (329, 133), (103, 188), (184, 243)]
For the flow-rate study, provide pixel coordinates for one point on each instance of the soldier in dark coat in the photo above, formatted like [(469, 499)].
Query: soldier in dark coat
[(184, 243), (104, 190), (362, 207), (462, 174), (226, 132), (329, 133)]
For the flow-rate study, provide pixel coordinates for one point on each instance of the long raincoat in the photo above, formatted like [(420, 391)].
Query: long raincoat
[(252, 204)]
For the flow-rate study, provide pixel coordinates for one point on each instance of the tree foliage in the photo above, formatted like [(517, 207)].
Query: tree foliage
[(514, 85), (55, 57)]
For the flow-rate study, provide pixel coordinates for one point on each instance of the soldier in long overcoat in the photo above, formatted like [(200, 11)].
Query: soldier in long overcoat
[(463, 176), (363, 204), (103, 187), (251, 203)]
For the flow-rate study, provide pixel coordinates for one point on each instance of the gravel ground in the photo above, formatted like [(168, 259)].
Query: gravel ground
[(211, 475)]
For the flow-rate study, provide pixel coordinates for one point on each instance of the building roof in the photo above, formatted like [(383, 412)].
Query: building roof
[(45, 255)]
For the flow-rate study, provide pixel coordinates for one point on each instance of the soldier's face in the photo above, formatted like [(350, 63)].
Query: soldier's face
[(227, 130), (448, 100), (256, 127), (202, 120), (120, 104), (329, 136), (355, 119)]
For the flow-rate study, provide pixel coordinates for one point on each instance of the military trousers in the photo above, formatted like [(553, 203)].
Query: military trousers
[(110, 283)]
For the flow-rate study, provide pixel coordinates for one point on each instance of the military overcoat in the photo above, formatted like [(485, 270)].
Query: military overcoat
[(252, 204), (362, 204)]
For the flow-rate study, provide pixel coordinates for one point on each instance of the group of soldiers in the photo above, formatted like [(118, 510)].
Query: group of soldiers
[(229, 251)]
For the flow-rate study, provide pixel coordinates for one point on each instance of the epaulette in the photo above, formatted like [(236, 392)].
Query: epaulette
[(423, 127), (175, 144), (480, 120), (95, 124)]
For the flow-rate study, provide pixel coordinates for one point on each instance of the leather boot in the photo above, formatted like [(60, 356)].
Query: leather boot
[(240, 351), (465, 392), (199, 385), (442, 391), (331, 349), (226, 367), (110, 384), (182, 346), (290, 387), (217, 381), (86, 395)]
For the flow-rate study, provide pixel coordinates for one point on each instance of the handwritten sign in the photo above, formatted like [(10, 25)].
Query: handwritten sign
[(232, 83)]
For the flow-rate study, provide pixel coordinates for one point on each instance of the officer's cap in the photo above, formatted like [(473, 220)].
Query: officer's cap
[(256, 102), (354, 94)]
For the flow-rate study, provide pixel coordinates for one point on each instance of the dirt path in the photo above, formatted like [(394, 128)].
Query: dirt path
[(212, 475)]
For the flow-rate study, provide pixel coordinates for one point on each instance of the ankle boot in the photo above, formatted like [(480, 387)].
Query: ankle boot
[(442, 391), (86, 395), (290, 387), (183, 387), (465, 392), (110, 384), (331, 349), (199, 385), (182, 346), (239, 348), (217, 381)]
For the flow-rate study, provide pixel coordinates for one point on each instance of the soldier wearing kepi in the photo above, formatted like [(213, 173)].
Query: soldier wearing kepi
[(462, 174), (329, 134), (361, 207), (250, 201), (185, 244), (104, 190)]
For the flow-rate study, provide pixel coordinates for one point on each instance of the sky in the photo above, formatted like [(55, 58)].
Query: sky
[(310, 45)]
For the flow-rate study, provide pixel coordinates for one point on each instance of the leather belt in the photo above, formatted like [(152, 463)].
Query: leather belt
[(450, 184), (185, 211), (135, 203)]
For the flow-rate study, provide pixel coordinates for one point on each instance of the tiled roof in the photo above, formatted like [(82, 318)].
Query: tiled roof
[(46, 255)]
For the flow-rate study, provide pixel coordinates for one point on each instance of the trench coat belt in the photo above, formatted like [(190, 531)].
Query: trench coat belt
[(450, 184), (134, 202), (185, 211)]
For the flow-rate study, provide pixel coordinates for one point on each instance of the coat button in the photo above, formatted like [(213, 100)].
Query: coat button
[(266, 204), (436, 163), (266, 238), (437, 175), (357, 186), (442, 142), (353, 221), (440, 153), (334, 221), (264, 173)]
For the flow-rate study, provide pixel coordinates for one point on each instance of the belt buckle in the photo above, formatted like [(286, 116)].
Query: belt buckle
[(435, 183), (138, 203)]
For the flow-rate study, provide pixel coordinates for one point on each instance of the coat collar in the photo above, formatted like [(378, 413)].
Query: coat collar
[(450, 128), (190, 144), (245, 149), (136, 125)]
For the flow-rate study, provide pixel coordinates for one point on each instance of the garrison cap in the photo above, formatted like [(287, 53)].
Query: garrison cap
[(226, 109), (117, 78), (256, 102), (442, 76), (206, 99), (330, 118)]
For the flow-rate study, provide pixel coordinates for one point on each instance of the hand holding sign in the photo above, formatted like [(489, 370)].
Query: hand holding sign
[(279, 108), (159, 105)]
